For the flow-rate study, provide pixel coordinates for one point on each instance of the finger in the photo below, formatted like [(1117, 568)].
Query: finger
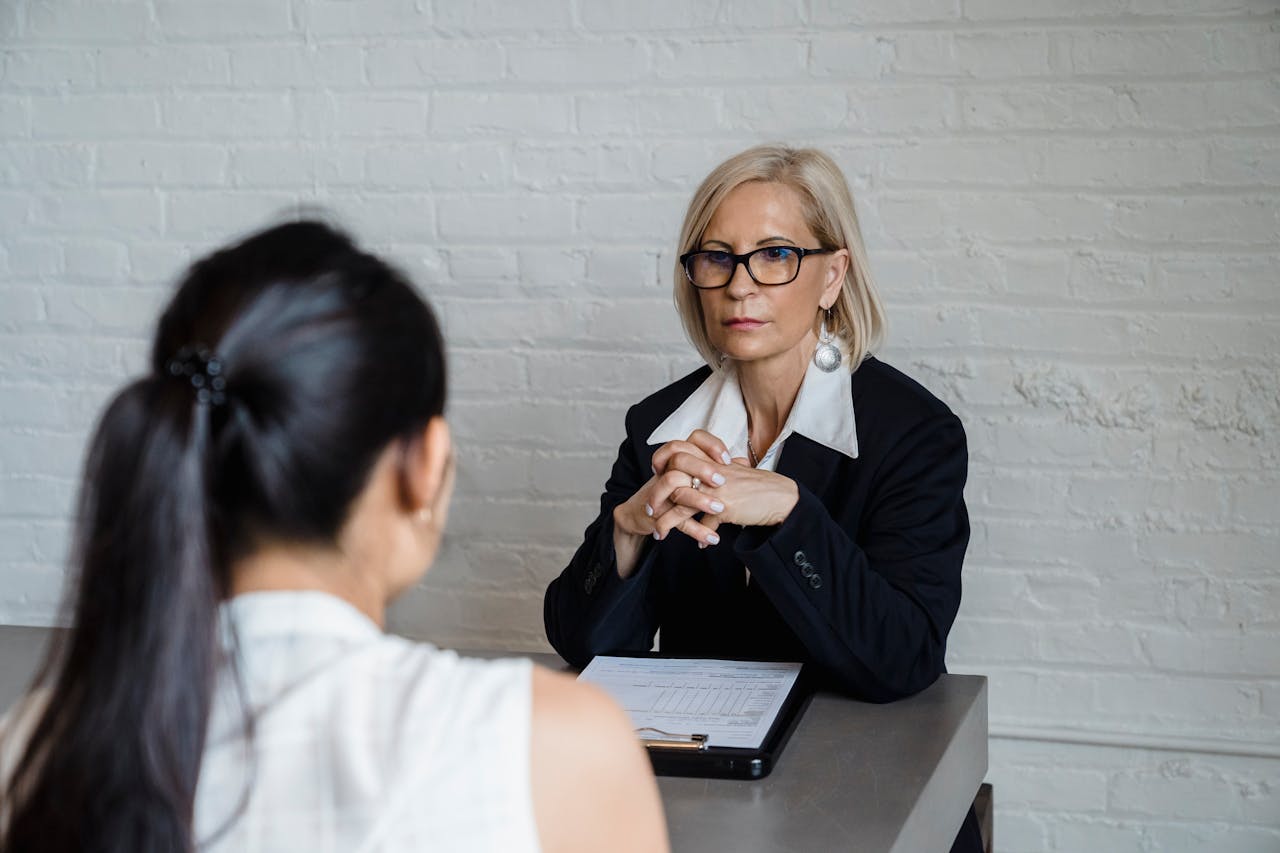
[(710, 445), (659, 499), (699, 532), (742, 460), (712, 523), (670, 520), (696, 466), (663, 454), (635, 516), (707, 502)]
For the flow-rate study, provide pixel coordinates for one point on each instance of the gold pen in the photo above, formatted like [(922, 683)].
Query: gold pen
[(671, 740)]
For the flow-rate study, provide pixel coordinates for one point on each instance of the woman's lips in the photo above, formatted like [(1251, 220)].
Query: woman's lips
[(744, 323)]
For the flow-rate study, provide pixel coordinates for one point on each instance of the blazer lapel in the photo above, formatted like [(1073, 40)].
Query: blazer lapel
[(810, 463)]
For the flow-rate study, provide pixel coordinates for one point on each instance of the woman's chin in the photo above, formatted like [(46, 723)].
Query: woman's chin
[(744, 348)]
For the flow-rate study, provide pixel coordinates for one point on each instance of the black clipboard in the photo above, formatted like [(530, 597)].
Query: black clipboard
[(684, 754)]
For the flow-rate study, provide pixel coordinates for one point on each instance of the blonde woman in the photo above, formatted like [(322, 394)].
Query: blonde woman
[(795, 498)]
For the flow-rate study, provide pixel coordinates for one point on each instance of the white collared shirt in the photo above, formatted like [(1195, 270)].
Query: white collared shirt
[(823, 412), (364, 741)]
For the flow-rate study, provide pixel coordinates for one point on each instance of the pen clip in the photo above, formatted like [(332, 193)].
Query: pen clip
[(671, 740)]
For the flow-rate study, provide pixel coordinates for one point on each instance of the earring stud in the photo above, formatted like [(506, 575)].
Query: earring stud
[(423, 516)]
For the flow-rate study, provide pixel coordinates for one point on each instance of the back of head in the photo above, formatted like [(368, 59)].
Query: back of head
[(327, 354), (282, 367)]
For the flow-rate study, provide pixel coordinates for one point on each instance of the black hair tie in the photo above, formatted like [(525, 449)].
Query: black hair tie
[(203, 369)]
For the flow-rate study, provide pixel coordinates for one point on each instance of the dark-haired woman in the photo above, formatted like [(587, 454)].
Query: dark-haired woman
[(249, 508)]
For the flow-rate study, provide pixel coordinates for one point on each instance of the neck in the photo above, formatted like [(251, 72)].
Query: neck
[(292, 567), (769, 389)]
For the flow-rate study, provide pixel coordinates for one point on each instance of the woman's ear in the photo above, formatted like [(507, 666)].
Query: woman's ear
[(836, 270), (427, 469)]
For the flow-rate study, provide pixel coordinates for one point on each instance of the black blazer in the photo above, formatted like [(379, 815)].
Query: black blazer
[(862, 579)]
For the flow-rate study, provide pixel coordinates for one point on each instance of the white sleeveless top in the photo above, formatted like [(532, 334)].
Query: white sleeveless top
[(364, 741)]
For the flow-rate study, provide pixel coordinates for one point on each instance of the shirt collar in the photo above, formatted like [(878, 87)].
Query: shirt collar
[(823, 412), (262, 615)]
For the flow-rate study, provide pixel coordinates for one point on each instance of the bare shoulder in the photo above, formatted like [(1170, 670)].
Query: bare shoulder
[(581, 723), (593, 787), (561, 700)]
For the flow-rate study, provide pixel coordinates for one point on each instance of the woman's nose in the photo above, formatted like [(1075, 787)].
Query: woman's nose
[(741, 284)]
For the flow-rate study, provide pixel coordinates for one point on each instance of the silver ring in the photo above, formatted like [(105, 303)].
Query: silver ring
[(695, 484)]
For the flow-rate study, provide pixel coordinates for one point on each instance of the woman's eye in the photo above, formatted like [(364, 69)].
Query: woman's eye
[(778, 253), (718, 258)]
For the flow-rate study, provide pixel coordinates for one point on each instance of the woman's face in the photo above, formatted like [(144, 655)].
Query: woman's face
[(752, 322)]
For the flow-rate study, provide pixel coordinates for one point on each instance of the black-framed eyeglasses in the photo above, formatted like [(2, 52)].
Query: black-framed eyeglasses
[(771, 265)]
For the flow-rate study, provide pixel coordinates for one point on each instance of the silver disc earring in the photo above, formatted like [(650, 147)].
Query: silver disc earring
[(827, 356)]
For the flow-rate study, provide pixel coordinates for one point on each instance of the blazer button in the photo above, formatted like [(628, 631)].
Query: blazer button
[(807, 570), (815, 581), (800, 558)]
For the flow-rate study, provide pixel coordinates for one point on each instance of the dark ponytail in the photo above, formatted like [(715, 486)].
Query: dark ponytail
[(325, 355)]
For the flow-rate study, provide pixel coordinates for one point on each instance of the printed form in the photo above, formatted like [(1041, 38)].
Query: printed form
[(733, 702)]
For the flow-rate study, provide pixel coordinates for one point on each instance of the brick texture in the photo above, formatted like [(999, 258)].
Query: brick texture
[(1072, 208)]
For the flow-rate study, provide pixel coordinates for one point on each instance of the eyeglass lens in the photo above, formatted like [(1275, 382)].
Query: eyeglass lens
[(769, 265)]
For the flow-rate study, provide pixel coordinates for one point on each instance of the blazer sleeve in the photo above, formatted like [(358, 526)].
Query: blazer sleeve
[(590, 610), (872, 600)]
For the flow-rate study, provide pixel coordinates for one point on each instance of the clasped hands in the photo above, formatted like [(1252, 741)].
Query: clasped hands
[(696, 477)]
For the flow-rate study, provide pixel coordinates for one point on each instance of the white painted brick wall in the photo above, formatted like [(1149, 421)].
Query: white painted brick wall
[(1073, 209)]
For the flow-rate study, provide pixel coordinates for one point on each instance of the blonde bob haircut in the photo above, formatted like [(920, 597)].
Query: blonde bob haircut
[(858, 314)]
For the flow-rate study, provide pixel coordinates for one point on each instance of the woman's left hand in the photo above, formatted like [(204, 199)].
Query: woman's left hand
[(752, 497)]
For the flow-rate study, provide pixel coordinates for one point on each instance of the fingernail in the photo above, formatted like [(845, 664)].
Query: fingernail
[(718, 479), (648, 510), (702, 546), (713, 539), (716, 506), (724, 455), (657, 536)]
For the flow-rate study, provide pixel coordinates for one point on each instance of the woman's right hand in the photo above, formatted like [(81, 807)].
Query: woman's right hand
[(668, 500)]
